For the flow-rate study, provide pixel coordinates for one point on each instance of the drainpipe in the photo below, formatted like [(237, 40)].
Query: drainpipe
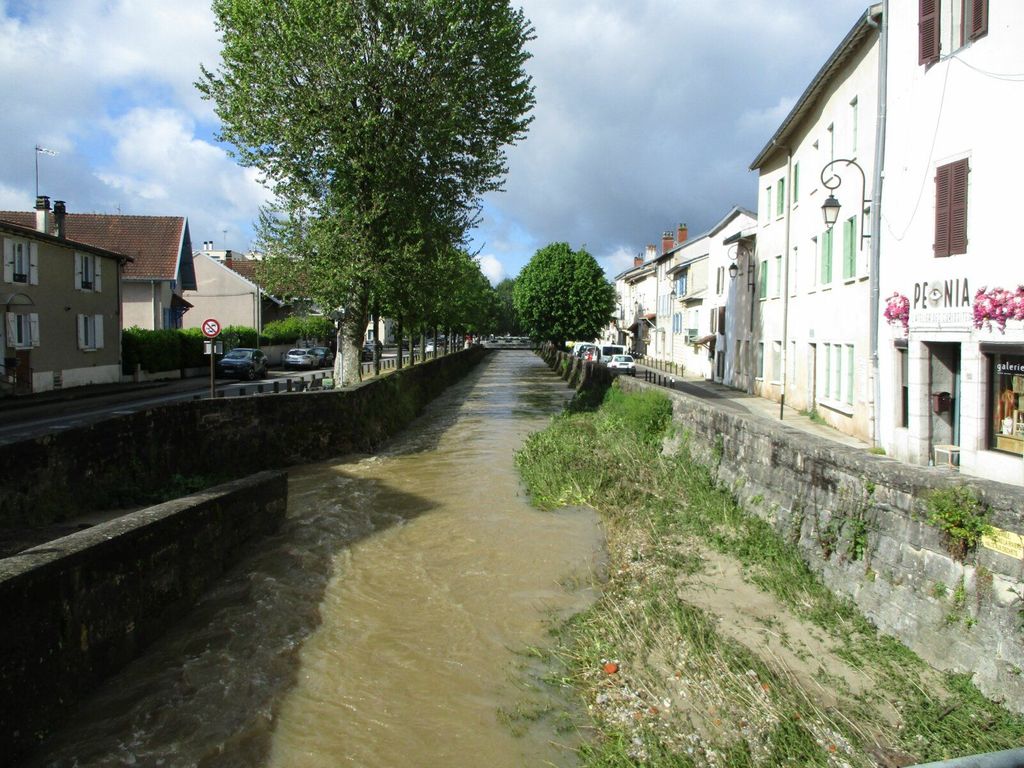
[(785, 282), (876, 218)]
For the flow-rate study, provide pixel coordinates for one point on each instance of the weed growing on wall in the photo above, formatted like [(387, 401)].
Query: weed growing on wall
[(666, 684), (961, 518)]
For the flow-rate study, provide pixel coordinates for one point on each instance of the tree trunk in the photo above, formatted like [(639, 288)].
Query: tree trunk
[(347, 368), (398, 340)]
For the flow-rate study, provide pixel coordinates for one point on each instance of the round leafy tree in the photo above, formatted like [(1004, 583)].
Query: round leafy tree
[(563, 294)]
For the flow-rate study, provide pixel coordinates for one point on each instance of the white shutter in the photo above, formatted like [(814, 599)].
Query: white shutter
[(12, 330), (98, 332), (33, 263), (97, 285), (78, 271), (81, 331), (8, 260), (33, 321)]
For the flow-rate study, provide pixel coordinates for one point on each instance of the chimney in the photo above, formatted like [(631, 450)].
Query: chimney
[(638, 260), (681, 236), (666, 242), (652, 253), (43, 217), (59, 213)]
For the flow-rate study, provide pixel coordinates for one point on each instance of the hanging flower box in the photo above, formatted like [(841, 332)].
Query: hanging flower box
[(998, 306), (897, 311)]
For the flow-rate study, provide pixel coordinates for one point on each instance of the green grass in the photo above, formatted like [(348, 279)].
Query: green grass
[(661, 511)]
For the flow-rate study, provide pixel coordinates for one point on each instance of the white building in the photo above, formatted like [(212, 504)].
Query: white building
[(728, 304), (955, 107), (808, 341), (636, 292)]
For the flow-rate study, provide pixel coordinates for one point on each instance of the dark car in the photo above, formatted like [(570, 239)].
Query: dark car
[(243, 363), (366, 355), (324, 356)]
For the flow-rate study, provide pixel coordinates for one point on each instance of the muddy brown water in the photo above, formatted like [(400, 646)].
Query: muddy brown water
[(388, 624)]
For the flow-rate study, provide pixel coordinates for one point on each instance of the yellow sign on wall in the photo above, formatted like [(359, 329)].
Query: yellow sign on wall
[(1007, 542)]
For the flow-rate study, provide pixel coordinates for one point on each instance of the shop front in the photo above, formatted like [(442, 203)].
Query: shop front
[(1005, 432)]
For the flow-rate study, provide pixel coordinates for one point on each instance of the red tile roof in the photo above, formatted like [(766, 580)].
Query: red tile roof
[(154, 242), (245, 267)]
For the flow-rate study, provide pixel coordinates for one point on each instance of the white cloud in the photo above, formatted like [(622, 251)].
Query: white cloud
[(493, 269)]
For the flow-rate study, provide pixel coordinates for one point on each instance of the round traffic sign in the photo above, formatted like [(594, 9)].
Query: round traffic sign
[(210, 328)]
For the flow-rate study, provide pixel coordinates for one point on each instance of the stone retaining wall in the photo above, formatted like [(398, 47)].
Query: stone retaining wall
[(114, 462), (860, 521), (78, 609)]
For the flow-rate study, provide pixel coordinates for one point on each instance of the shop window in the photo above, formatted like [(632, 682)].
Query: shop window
[(1007, 405)]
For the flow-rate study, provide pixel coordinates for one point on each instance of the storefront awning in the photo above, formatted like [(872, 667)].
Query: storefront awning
[(706, 341)]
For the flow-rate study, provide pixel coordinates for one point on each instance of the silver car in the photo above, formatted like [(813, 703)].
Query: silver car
[(299, 358)]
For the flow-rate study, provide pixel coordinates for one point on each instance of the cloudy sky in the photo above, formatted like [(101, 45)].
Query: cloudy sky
[(648, 114)]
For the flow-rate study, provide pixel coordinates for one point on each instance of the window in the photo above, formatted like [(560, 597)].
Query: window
[(762, 290), (827, 348), (776, 361), (677, 322), (22, 330), (945, 25), (681, 283), (796, 182), (768, 203), (778, 275), (760, 360), (1007, 406), (87, 272), (90, 332), (21, 261), (849, 248), (780, 198), (849, 374), (826, 257), (853, 126), (903, 388), (951, 208), (837, 372)]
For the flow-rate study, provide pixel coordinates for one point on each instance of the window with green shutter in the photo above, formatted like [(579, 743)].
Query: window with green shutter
[(763, 282), (826, 257), (849, 374), (849, 248), (780, 197), (796, 182)]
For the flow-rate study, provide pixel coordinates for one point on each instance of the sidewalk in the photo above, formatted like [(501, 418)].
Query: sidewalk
[(757, 406)]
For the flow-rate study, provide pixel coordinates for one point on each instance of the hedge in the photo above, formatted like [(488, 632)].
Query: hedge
[(291, 329)]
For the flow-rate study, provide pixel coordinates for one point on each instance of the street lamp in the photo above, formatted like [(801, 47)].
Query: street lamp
[(733, 271), (338, 316), (830, 208)]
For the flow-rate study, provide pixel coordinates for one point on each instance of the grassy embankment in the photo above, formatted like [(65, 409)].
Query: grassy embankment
[(668, 678)]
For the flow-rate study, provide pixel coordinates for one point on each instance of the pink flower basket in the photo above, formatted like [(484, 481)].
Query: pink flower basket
[(998, 306), (897, 311)]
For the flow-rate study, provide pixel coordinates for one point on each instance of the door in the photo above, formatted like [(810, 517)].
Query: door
[(23, 373), (812, 376), (943, 394)]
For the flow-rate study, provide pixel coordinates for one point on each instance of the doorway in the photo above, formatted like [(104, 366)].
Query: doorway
[(943, 394)]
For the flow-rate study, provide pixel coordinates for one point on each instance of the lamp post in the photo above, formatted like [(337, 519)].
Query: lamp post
[(830, 208)]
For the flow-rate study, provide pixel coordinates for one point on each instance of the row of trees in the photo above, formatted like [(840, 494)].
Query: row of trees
[(378, 125)]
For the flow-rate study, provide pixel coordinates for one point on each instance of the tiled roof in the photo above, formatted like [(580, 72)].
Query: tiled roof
[(245, 267), (154, 242)]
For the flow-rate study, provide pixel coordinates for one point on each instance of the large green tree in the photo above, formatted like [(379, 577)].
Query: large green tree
[(562, 294), (377, 124), (507, 321)]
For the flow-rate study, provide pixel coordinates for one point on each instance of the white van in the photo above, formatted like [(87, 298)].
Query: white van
[(607, 350)]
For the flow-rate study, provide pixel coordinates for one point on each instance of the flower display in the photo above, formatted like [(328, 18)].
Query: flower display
[(897, 310), (997, 306)]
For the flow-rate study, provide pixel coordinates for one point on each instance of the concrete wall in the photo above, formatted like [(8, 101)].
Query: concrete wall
[(110, 463), (860, 521), (79, 608)]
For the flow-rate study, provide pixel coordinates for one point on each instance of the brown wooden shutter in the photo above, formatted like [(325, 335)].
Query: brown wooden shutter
[(979, 19), (942, 176), (928, 31), (958, 207)]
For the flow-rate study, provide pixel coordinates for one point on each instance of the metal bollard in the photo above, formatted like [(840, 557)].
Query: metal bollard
[(288, 382), (259, 389), (220, 393), (277, 387), (241, 391)]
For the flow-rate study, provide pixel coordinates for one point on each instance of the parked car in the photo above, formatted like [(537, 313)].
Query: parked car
[(429, 348), (582, 349), (623, 364), (324, 356), (243, 363), (610, 350), (366, 355), (298, 358)]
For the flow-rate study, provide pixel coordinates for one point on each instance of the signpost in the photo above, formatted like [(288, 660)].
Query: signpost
[(211, 330)]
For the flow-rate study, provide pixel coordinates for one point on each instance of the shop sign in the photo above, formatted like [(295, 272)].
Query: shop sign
[(1007, 542), (941, 305)]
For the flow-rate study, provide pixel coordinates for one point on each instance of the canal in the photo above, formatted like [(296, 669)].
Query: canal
[(391, 620)]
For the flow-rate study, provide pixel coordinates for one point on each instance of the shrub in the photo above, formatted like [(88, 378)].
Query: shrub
[(960, 516), (153, 350), (291, 329)]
